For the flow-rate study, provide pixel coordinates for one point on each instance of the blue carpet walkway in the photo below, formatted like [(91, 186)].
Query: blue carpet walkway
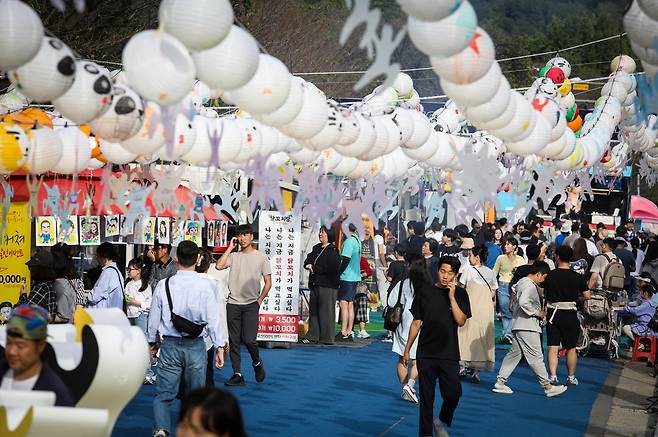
[(353, 391)]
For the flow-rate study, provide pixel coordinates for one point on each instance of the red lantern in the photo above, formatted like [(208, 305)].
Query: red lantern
[(556, 75)]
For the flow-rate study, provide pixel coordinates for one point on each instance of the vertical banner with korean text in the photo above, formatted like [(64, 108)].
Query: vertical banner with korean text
[(15, 252), (279, 237)]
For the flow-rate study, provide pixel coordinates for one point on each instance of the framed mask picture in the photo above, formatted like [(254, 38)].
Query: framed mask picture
[(210, 233), (193, 232), (163, 229), (67, 232), (90, 231), (112, 225), (46, 231)]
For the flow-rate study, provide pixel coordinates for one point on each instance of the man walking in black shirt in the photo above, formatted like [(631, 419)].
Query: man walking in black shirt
[(440, 309)]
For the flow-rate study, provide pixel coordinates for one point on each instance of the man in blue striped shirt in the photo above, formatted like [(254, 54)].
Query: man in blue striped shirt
[(192, 298)]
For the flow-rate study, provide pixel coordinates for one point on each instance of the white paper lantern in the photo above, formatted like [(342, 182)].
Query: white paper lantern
[(428, 10), (150, 137), (158, 67), (287, 112), (251, 140), (350, 127), (124, 117), (200, 152), (230, 143), (278, 159), (380, 144), (115, 153), (183, 140), (492, 109), (329, 159), (475, 93), (403, 84), (504, 118), (361, 169), (89, 96), (560, 63), (381, 100), (49, 74), (21, 33), (311, 118), (646, 54), (470, 64), (13, 101), (200, 24), (421, 130), (330, 133), (615, 89), (267, 90), (569, 146), (426, 150), (305, 156), (446, 150), (522, 123), (346, 165), (76, 151), (45, 151), (649, 7), (445, 37), (534, 142), (364, 140), (269, 139), (640, 28), (405, 122), (394, 134), (230, 64)]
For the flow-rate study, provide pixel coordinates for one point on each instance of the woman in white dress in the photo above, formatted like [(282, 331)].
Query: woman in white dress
[(404, 290), (476, 337)]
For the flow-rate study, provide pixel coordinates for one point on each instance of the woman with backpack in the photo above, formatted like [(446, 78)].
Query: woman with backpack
[(403, 293)]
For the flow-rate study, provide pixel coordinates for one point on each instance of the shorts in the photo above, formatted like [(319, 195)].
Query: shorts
[(564, 330), (361, 308), (347, 290)]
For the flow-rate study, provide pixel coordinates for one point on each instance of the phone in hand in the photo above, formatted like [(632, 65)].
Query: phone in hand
[(234, 242)]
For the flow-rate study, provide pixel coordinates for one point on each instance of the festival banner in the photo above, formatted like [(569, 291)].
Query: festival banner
[(279, 237), (15, 252)]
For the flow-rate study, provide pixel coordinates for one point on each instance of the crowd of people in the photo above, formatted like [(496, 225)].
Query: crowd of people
[(450, 284)]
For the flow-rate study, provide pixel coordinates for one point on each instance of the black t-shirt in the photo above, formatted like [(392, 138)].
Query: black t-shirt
[(564, 285), (447, 250), (520, 273), (396, 270), (438, 335)]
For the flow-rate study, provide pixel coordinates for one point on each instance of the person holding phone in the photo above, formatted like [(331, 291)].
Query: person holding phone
[(248, 267)]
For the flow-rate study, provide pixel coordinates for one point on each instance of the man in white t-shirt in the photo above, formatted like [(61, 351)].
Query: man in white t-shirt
[(601, 262), (22, 367)]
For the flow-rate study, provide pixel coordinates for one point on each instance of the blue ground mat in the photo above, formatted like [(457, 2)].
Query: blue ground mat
[(353, 391)]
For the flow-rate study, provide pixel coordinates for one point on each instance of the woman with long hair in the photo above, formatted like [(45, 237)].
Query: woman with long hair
[(498, 237), (210, 412), (417, 275), (42, 280), (582, 260), (64, 290), (323, 264), (138, 302), (477, 336)]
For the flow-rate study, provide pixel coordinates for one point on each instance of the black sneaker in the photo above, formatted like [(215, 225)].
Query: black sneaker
[(259, 370), (235, 381)]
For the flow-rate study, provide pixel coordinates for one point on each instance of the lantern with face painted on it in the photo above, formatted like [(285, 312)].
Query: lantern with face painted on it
[(14, 147), (89, 96), (49, 74), (123, 119)]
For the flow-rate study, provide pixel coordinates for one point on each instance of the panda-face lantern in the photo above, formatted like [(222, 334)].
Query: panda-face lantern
[(89, 97), (123, 119), (49, 74)]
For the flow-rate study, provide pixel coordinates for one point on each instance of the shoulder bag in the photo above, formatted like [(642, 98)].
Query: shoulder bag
[(182, 325), (393, 315)]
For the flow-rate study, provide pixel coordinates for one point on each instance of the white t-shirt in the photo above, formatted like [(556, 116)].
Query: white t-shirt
[(9, 383), (591, 248), (599, 265), (379, 241), (132, 290), (470, 274)]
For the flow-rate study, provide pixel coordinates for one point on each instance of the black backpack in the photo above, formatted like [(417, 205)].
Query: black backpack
[(183, 325), (393, 315)]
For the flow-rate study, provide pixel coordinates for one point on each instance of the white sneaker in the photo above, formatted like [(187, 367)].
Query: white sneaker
[(363, 334), (554, 390), (408, 394), (501, 387), (160, 433), (440, 429), (572, 380), (554, 380)]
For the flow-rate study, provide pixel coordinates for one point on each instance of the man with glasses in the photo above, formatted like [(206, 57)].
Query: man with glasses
[(164, 265)]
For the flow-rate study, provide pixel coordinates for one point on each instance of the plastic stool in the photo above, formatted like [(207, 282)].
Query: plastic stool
[(648, 354)]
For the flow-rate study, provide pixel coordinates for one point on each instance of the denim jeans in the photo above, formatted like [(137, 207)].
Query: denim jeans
[(503, 304), (142, 322), (178, 357)]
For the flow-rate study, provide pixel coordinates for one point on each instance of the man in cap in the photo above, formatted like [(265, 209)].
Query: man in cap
[(564, 233), (22, 367)]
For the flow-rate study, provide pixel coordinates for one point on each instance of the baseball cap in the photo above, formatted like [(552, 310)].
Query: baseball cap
[(29, 322), (467, 244), (44, 259)]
